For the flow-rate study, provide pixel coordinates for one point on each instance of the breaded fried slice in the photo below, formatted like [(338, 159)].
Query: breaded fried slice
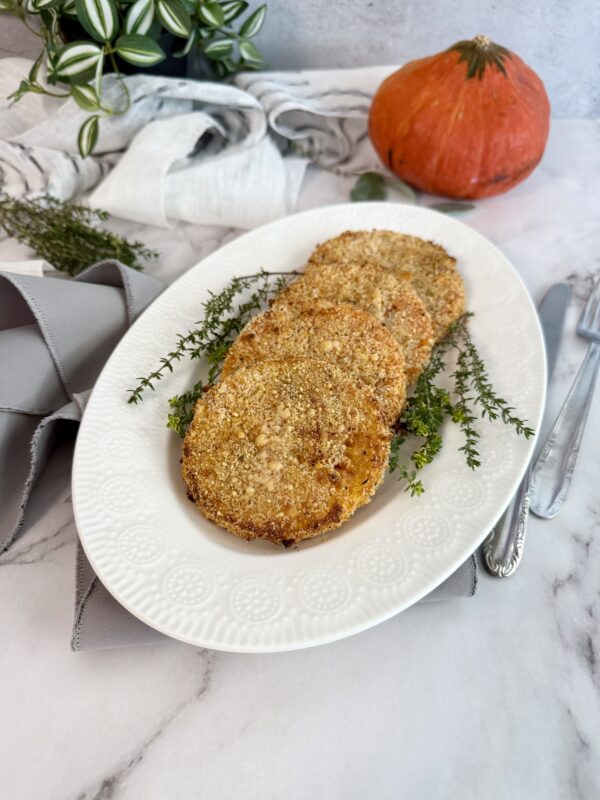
[(342, 334), (380, 293), (427, 265), (285, 450)]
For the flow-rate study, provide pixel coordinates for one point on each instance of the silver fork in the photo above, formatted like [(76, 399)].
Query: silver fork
[(553, 470)]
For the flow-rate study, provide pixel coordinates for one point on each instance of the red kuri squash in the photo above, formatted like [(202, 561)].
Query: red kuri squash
[(469, 122)]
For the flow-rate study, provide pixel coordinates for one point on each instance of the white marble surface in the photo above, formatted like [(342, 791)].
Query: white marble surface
[(492, 697)]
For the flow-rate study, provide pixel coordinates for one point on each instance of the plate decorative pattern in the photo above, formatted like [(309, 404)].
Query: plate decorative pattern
[(177, 572)]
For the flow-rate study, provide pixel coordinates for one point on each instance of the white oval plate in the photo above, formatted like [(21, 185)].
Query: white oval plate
[(179, 573)]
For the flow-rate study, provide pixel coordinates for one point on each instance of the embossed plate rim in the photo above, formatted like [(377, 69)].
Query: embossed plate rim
[(249, 600)]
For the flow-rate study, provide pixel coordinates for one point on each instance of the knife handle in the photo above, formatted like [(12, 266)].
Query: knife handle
[(503, 548), (553, 470)]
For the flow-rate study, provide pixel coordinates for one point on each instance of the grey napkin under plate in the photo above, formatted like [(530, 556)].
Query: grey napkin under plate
[(102, 623), (55, 336)]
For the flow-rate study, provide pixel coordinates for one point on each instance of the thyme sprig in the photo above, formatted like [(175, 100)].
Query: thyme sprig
[(426, 411), (225, 314), (431, 405), (67, 235)]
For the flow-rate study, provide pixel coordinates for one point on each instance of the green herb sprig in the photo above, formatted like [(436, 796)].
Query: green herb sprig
[(224, 317), (67, 235), (426, 410), (430, 406)]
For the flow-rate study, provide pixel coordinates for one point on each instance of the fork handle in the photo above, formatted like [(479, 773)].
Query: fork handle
[(553, 470), (503, 548)]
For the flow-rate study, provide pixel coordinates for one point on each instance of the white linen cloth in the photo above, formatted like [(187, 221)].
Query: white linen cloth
[(203, 152)]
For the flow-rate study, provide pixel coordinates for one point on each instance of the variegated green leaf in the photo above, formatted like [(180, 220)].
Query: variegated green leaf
[(70, 8), (212, 14), (85, 96), (88, 136), (139, 17), (221, 48), (74, 58), (254, 23), (188, 45), (41, 4), (99, 18), (35, 68), (232, 9), (175, 17), (250, 54), (139, 50)]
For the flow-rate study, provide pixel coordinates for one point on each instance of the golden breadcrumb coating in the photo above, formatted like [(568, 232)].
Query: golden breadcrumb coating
[(427, 265), (380, 293), (342, 334), (285, 450)]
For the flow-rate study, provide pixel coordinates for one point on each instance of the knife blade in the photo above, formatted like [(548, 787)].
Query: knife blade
[(503, 548)]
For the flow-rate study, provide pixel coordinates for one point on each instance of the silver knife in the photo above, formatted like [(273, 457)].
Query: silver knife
[(503, 548)]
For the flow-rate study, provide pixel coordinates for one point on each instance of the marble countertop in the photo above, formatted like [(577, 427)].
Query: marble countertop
[(492, 697)]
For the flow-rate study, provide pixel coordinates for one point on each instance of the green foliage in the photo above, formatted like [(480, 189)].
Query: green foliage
[(430, 405), (426, 411), (128, 30), (66, 235), (225, 314), (374, 186)]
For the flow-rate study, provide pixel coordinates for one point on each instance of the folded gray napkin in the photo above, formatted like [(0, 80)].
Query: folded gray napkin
[(102, 623), (55, 336)]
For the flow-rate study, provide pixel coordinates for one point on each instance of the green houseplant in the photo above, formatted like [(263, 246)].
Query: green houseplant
[(83, 39)]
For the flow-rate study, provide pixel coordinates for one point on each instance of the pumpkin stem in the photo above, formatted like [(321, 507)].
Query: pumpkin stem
[(479, 53), (482, 41)]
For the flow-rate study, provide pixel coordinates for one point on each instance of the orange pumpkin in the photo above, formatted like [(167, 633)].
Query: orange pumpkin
[(469, 122)]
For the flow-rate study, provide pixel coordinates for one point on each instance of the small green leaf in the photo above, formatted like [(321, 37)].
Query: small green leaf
[(24, 87), (88, 136), (212, 14), (188, 45), (33, 72), (86, 98), (219, 49), (233, 9), (249, 53), (75, 58), (175, 17), (449, 208), (99, 18), (254, 23), (41, 4), (139, 50), (370, 186), (140, 17), (403, 188)]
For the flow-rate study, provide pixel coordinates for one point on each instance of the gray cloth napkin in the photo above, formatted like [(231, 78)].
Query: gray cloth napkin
[(101, 623), (55, 336)]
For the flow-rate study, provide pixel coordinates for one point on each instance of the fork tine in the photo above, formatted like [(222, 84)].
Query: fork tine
[(589, 322)]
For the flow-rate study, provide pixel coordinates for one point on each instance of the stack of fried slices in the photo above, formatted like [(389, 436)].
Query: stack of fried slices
[(296, 435)]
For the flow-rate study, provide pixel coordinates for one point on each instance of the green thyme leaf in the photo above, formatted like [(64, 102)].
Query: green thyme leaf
[(67, 235), (430, 406), (224, 316)]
